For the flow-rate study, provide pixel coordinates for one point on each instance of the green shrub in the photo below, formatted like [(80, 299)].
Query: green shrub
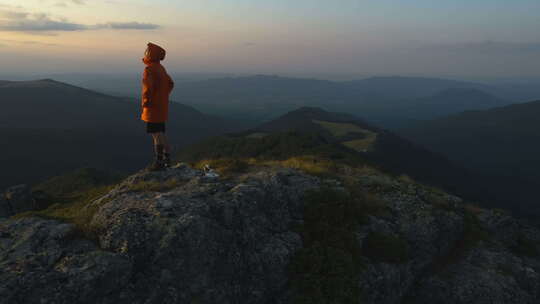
[(324, 274), (473, 233), (327, 268), (386, 248), (367, 203)]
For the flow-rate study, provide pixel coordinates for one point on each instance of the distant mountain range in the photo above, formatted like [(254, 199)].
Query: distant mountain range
[(449, 101), (49, 127), (390, 102), (386, 101), (503, 143), (397, 87), (453, 100)]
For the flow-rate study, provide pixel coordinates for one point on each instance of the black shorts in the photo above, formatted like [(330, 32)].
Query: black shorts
[(155, 127)]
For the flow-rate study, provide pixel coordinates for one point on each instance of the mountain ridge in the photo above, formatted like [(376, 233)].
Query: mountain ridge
[(500, 143), (73, 127), (311, 131)]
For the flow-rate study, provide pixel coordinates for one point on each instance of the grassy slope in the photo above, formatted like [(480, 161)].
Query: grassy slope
[(68, 197)]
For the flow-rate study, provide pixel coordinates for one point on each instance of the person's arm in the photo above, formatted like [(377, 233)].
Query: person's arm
[(148, 87)]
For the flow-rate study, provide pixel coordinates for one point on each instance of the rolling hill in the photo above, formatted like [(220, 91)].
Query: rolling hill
[(336, 137), (451, 101), (503, 143), (50, 127), (446, 102)]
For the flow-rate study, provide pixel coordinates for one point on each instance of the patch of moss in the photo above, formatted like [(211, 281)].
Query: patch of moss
[(440, 201), (362, 145), (73, 186), (309, 164), (273, 147), (224, 166), (340, 129), (327, 268), (312, 165), (155, 186), (526, 247), (68, 198), (473, 233), (404, 178), (79, 211), (385, 248)]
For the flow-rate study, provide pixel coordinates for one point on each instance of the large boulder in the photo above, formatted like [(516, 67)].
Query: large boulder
[(42, 261), (206, 240), (503, 269)]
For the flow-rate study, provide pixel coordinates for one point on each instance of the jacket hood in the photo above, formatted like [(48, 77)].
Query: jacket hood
[(154, 53)]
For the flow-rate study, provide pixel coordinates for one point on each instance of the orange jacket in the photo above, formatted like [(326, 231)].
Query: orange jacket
[(157, 85)]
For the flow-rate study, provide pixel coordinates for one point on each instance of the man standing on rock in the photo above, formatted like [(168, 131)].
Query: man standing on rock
[(157, 85)]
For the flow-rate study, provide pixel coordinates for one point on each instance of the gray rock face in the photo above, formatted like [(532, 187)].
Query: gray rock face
[(179, 237), (499, 271), (41, 262), (17, 199), (205, 241)]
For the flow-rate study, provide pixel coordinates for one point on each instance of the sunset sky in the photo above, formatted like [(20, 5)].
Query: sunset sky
[(451, 38)]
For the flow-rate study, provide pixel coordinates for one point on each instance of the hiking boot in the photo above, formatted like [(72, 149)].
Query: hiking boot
[(156, 166), (167, 160)]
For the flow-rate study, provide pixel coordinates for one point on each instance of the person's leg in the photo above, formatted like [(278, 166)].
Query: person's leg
[(158, 163), (166, 149), (159, 146), (154, 138)]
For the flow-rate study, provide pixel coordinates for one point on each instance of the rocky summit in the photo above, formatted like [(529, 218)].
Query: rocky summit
[(271, 234)]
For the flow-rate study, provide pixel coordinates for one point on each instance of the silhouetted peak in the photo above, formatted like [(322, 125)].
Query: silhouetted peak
[(309, 110), (49, 80)]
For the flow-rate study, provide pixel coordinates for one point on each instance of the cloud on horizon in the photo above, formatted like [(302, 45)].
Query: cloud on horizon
[(8, 42), (69, 2), (17, 21), (126, 26)]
